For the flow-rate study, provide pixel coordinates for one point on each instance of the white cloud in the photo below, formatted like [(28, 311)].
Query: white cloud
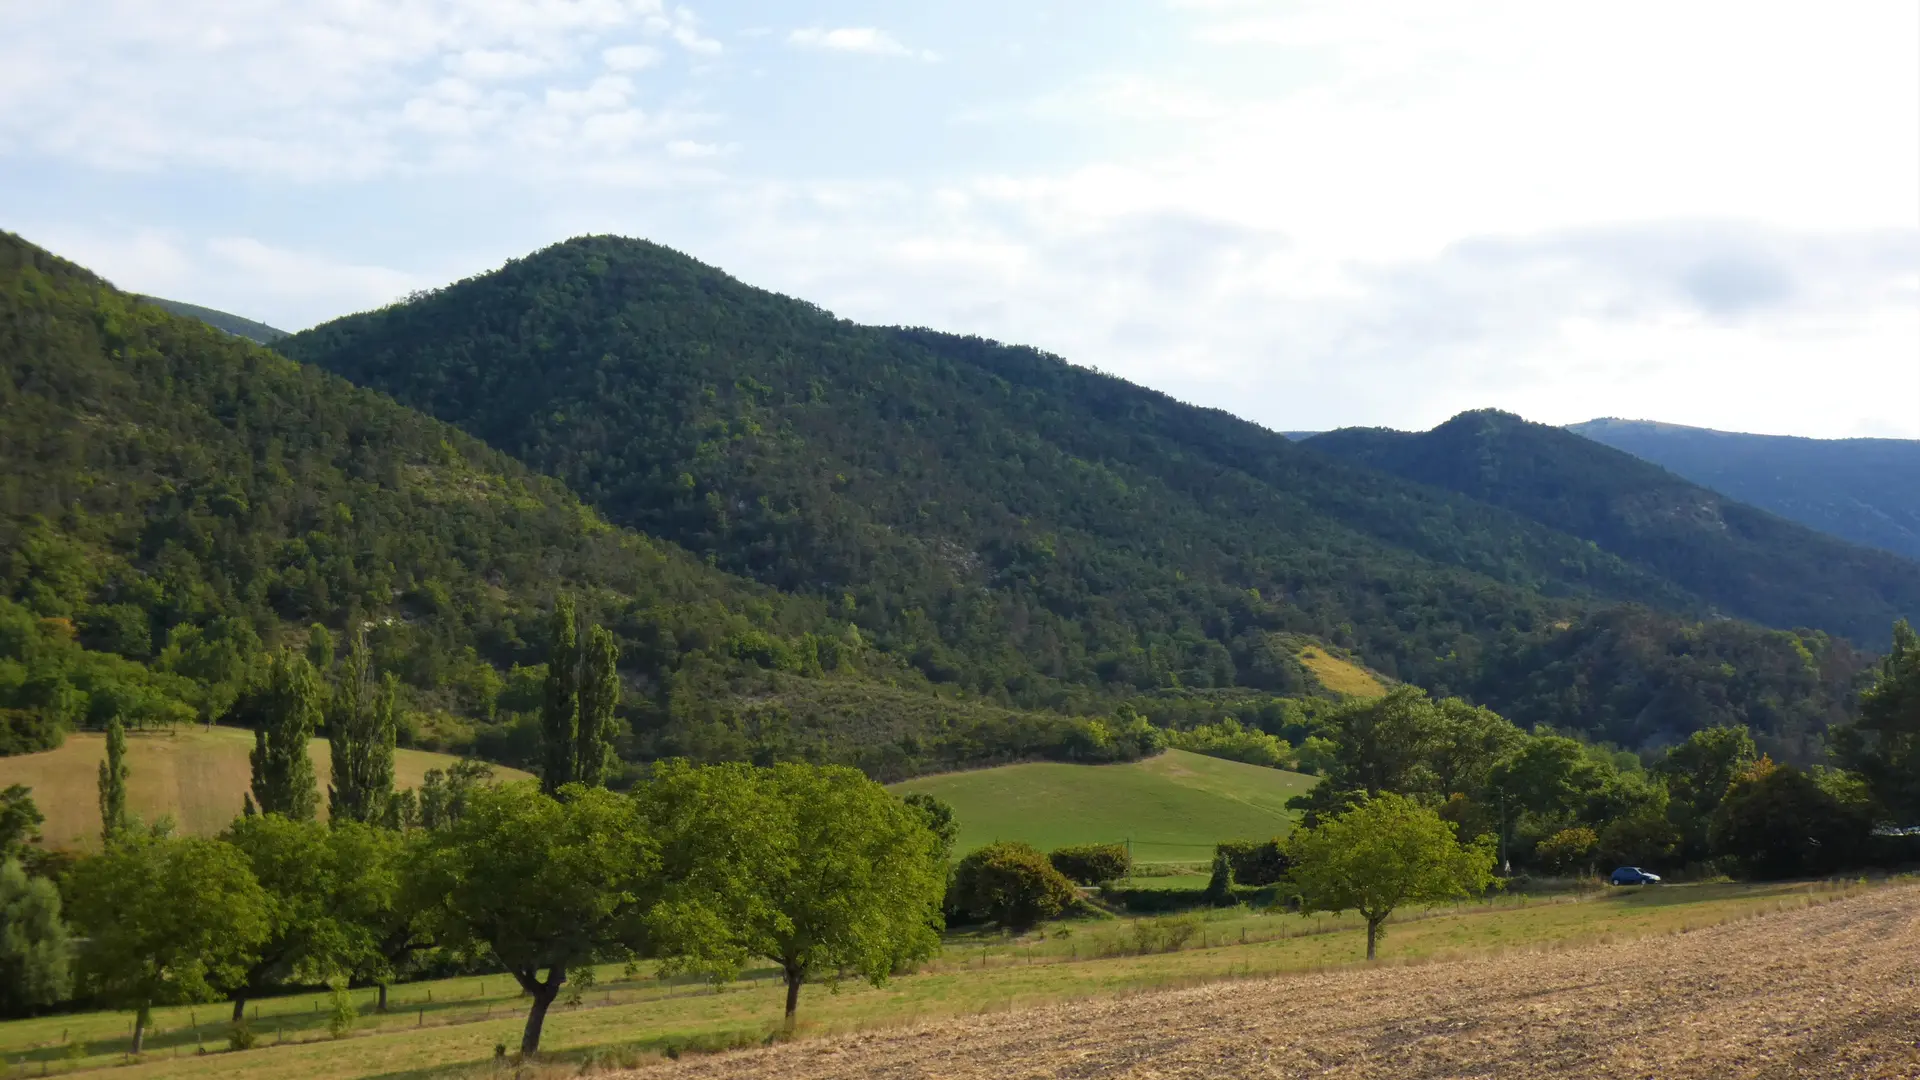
[(327, 90), (855, 39), (629, 57)]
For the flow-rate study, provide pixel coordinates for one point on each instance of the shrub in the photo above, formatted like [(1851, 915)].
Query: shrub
[(1228, 739), (241, 1037), (1256, 862), (1011, 884), (341, 1011), (1092, 864), (1168, 933)]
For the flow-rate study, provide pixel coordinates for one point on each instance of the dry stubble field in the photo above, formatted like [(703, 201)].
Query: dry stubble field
[(1827, 991)]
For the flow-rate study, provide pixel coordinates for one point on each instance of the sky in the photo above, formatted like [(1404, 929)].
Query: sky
[(1312, 215)]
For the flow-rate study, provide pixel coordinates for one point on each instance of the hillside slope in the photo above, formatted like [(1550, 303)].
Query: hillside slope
[(1863, 490), (1747, 562), (196, 776), (1173, 807), (257, 332), (185, 499), (1018, 526)]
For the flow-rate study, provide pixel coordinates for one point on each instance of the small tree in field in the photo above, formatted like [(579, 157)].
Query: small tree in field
[(1011, 884), (818, 869), (165, 922), (544, 884), (1385, 853)]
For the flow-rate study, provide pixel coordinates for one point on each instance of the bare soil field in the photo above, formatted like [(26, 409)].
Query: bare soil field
[(1831, 991)]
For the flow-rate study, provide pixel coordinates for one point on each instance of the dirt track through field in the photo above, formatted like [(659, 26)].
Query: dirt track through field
[(1826, 992)]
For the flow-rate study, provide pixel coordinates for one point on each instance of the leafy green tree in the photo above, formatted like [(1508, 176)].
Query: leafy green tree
[(113, 783), (940, 819), (1568, 849), (316, 882), (1778, 822), (288, 711), (444, 792), (560, 714), (361, 731), (1883, 744), (165, 922), (20, 821), (1012, 884), (36, 951), (1382, 855), (817, 869), (544, 885), (599, 695), (1220, 881), (1698, 773)]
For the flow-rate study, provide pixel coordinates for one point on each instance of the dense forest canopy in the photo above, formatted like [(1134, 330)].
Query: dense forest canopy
[(176, 501), (1745, 561), (1009, 524), (1863, 490)]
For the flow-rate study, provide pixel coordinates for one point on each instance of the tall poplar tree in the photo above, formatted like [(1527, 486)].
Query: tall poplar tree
[(113, 783), (361, 731), (560, 718), (599, 693), (288, 713)]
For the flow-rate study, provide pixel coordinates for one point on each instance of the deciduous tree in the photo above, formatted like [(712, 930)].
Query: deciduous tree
[(36, 952), (560, 713), (599, 695), (361, 733), (286, 711), (544, 884), (113, 783), (1382, 855), (166, 922), (817, 869)]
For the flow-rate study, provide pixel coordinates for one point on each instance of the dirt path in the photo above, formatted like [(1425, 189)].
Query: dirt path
[(1830, 992)]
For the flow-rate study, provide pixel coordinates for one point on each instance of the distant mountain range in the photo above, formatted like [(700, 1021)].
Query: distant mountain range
[(894, 547), (1863, 490), (257, 332)]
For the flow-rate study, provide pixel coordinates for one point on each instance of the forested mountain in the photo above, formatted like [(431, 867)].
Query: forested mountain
[(1030, 531), (258, 332), (1745, 561), (1863, 490), (175, 500)]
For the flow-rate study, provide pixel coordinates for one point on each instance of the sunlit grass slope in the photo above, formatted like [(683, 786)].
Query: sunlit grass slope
[(1173, 807), (1341, 676), (198, 776)]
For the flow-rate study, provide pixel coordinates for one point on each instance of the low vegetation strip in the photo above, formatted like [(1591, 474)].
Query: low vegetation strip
[(1817, 991)]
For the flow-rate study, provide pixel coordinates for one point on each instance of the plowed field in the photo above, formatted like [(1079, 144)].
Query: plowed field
[(1829, 992)]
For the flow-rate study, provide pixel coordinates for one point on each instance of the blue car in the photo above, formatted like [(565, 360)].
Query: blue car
[(1633, 875)]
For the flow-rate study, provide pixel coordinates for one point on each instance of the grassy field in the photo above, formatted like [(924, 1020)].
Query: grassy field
[(1173, 807), (1341, 676), (449, 1027), (1819, 985), (197, 775)]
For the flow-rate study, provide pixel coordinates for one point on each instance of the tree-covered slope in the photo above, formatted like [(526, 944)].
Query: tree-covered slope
[(1018, 526), (1745, 561), (257, 332), (175, 500), (1863, 490)]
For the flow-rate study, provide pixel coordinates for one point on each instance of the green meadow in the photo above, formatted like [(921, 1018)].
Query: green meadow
[(1172, 807)]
